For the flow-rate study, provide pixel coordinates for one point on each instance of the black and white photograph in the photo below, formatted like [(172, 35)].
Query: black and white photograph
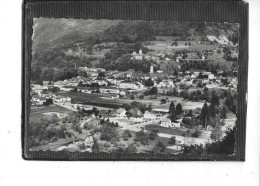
[(129, 93), (133, 86)]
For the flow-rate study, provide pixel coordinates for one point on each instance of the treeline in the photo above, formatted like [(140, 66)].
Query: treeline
[(56, 58), (225, 146), (39, 74)]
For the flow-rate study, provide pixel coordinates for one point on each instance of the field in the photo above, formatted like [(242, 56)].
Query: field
[(165, 46), (97, 100), (164, 130), (38, 112)]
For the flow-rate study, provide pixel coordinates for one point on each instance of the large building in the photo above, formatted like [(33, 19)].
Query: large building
[(130, 85)]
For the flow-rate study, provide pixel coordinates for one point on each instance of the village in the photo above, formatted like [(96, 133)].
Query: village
[(165, 105)]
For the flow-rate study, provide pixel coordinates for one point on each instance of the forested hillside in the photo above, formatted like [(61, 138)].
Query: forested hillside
[(53, 37)]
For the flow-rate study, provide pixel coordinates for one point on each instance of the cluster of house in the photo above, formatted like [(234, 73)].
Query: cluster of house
[(120, 84), (40, 95), (135, 116)]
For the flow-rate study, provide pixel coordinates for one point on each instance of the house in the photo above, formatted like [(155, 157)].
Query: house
[(94, 74), (234, 82), (169, 83), (210, 128), (136, 120), (177, 124), (165, 122), (161, 84), (59, 99), (134, 112), (38, 101), (67, 88), (130, 85), (89, 141), (193, 76), (39, 88), (85, 90), (122, 93), (219, 72), (121, 113), (101, 82), (148, 115), (45, 83), (218, 79), (211, 77), (138, 56), (212, 85)]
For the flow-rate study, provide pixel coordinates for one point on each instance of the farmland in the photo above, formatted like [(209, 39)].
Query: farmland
[(37, 113)]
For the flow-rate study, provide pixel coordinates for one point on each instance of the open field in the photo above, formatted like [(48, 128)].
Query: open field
[(164, 130), (165, 46), (97, 101), (38, 112)]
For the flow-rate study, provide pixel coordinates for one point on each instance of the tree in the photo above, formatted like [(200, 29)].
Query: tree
[(159, 147), (101, 75), (223, 112), (179, 109), (172, 108), (149, 82), (152, 135), (190, 113), (185, 94), (163, 101), (95, 147), (216, 133), (95, 111), (108, 133), (141, 137), (229, 101), (54, 119), (224, 146), (141, 96), (193, 149), (172, 140), (196, 133), (212, 111), (175, 43), (153, 91), (126, 135), (204, 115), (214, 98)]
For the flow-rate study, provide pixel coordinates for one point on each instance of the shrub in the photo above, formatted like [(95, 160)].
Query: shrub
[(163, 101), (141, 96), (126, 135), (152, 135), (196, 133), (81, 146), (108, 133), (76, 127), (159, 148), (172, 140), (141, 137)]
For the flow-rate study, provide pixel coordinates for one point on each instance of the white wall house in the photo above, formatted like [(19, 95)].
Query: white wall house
[(129, 85), (109, 90)]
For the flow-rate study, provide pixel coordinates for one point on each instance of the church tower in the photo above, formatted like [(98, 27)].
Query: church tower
[(151, 69)]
